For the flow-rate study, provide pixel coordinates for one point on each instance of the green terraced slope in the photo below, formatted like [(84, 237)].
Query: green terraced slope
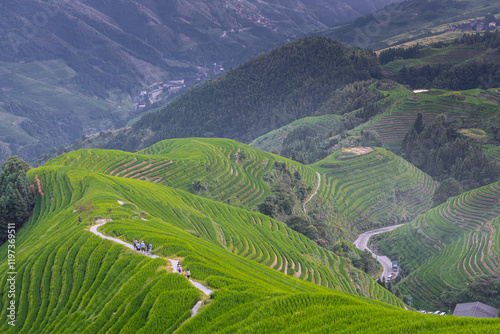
[(479, 108), (83, 283), (450, 246), (179, 162), (374, 190), (273, 141), (71, 281)]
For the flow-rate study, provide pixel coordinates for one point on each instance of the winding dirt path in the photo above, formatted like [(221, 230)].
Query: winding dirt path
[(314, 193), (173, 262)]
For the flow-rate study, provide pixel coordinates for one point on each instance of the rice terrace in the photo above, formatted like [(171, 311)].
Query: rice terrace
[(244, 166)]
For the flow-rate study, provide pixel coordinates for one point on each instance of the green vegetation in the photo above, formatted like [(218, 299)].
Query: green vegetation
[(442, 151), (16, 197), (264, 93), (221, 169), (373, 190), (285, 138), (451, 253), (70, 280)]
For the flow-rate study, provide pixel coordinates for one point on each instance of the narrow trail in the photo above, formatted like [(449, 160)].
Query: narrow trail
[(314, 193), (173, 262)]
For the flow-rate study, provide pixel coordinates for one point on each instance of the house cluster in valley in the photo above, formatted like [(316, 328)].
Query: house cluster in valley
[(476, 25)]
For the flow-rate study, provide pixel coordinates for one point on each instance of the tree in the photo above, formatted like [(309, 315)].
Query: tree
[(448, 188), (86, 208), (16, 197), (419, 123)]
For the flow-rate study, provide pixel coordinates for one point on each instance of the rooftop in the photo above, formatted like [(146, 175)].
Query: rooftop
[(476, 310)]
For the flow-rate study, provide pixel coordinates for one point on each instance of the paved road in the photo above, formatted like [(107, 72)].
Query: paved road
[(362, 244)]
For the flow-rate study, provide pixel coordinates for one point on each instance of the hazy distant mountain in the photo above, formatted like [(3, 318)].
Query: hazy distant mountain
[(417, 21), (69, 68)]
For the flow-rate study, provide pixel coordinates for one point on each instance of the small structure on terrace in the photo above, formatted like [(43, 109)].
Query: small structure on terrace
[(476, 310)]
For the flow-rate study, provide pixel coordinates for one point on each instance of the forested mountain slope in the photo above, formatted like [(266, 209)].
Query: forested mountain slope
[(262, 94), (70, 68), (451, 252)]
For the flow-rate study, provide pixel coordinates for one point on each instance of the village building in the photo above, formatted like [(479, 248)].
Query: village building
[(476, 310)]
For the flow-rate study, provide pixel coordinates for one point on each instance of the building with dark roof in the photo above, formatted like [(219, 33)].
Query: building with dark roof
[(476, 310)]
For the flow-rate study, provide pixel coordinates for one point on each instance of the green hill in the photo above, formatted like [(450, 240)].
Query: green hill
[(373, 188), (452, 252), (69, 280), (224, 170), (276, 140), (214, 168), (94, 285)]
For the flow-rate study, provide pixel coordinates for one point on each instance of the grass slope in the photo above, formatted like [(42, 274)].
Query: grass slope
[(180, 162), (72, 281), (374, 190), (479, 108), (450, 246), (273, 141)]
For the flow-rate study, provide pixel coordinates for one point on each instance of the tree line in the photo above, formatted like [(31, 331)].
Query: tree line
[(17, 199)]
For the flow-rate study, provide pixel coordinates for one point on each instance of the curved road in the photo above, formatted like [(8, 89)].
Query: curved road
[(362, 244)]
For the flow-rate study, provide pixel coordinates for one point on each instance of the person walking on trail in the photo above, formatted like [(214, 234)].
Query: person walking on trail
[(188, 273), (184, 273), (150, 247), (179, 270), (137, 245), (143, 246)]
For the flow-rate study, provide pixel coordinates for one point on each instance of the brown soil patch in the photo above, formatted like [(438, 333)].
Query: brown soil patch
[(358, 150), (39, 185)]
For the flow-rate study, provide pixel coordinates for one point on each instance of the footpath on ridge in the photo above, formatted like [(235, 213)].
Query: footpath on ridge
[(314, 193), (173, 262), (362, 244)]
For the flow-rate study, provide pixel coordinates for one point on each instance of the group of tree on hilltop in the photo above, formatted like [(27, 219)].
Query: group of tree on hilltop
[(441, 151)]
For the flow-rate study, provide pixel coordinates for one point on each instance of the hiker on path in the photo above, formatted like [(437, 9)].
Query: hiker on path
[(184, 273), (150, 247), (137, 245), (188, 273), (143, 246), (179, 270)]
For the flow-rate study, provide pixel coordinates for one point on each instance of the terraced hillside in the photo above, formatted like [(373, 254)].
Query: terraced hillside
[(228, 171), (273, 141), (71, 281), (79, 282), (450, 247), (477, 107), (374, 190)]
